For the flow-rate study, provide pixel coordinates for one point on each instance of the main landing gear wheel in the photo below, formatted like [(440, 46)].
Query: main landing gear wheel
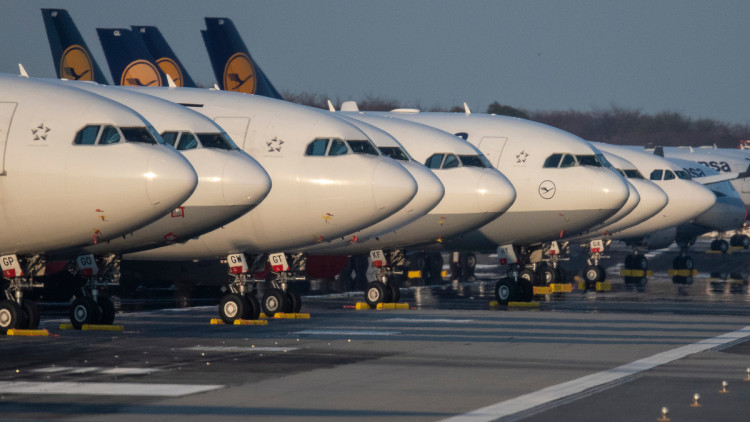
[(108, 310), (525, 291), (232, 307), (395, 290), (294, 300), (11, 316), (253, 309), (682, 263), (720, 245), (84, 311), (504, 291), (549, 275), (529, 275), (592, 275), (32, 314), (377, 292), (275, 301)]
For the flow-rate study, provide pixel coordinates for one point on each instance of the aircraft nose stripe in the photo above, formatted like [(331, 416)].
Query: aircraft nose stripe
[(244, 182), (170, 179), (494, 193)]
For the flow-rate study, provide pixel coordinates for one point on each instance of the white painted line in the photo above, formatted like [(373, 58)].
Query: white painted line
[(85, 369), (103, 388), (596, 382), (239, 349), (53, 369), (436, 320), (129, 371), (348, 333)]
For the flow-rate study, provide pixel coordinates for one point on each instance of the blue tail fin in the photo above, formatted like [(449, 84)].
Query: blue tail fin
[(129, 60), (71, 56), (233, 66), (165, 57)]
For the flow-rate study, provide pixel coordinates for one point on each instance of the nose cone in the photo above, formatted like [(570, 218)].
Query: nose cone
[(701, 199), (429, 188), (495, 192), (244, 181), (170, 179), (392, 186), (609, 191), (653, 200)]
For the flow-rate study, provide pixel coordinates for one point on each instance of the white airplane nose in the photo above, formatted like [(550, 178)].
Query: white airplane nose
[(495, 193), (701, 198), (429, 188), (392, 186), (608, 191), (170, 179), (244, 181)]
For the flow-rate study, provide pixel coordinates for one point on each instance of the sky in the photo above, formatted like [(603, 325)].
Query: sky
[(690, 57)]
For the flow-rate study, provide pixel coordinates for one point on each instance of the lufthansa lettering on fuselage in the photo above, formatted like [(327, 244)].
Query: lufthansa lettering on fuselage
[(695, 172), (717, 165)]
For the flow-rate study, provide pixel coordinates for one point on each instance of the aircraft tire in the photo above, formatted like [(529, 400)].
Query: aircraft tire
[(294, 300), (395, 290), (274, 301), (84, 311), (549, 275), (232, 307), (11, 316), (529, 275), (722, 245), (32, 314), (591, 275), (525, 291), (376, 292), (504, 291), (253, 310), (639, 262), (744, 241), (108, 310)]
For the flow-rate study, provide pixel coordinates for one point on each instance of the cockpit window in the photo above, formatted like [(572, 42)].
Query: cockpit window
[(110, 135), (552, 161), (588, 160), (216, 140), (87, 135), (138, 134), (669, 175), (338, 147), (187, 141), (394, 152), (656, 174), (475, 161), (317, 147), (568, 161), (450, 161), (169, 137), (362, 147), (682, 174), (434, 161), (633, 174), (604, 161)]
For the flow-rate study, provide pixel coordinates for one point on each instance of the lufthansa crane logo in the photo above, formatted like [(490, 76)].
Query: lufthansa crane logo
[(547, 189), (169, 67), (239, 74), (140, 73), (76, 64)]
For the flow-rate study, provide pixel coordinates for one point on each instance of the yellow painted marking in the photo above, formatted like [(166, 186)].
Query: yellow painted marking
[(101, 327), (718, 252), (542, 290), (30, 333), (393, 306), (561, 288), (66, 326), (444, 273), (250, 322), (603, 286), (683, 273), (636, 273), (581, 285), (415, 274), (523, 304), (494, 304)]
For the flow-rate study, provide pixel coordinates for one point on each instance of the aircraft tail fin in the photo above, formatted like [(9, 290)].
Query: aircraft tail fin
[(70, 54), (129, 60), (233, 66), (163, 55)]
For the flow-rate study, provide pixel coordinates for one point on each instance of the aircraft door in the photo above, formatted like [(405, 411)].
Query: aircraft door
[(235, 127), (492, 147), (6, 116)]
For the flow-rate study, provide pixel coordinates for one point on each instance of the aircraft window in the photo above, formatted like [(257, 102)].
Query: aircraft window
[(187, 141), (552, 161), (474, 161), (138, 134), (216, 140), (633, 174), (317, 147), (604, 161), (682, 174), (362, 147), (338, 147), (110, 135), (86, 136), (434, 161), (169, 137), (394, 152), (668, 175), (656, 174), (568, 161), (450, 162), (588, 160)]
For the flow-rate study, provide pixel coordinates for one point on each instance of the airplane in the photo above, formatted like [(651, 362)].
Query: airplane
[(70, 54), (163, 55), (63, 187)]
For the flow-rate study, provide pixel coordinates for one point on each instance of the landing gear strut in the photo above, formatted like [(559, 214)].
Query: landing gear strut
[(15, 310)]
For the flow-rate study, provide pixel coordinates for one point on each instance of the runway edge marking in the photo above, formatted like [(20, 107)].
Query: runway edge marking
[(552, 396), (103, 388)]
